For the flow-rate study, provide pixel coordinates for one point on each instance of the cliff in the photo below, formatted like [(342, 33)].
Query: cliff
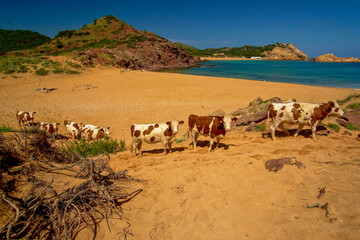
[(285, 52), (332, 58)]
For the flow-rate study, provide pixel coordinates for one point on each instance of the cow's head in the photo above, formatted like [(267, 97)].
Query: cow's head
[(227, 120), (335, 109), (32, 114), (174, 126), (106, 130)]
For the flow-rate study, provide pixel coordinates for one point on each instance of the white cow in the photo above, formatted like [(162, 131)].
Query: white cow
[(154, 133)]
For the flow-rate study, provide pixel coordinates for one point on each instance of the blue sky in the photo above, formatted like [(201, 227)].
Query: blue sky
[(315, 27)]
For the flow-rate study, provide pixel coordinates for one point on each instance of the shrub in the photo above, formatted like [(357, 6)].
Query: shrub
[(351, 127), (69, 71), (260, 128), (86, 148), (7, 129), (42, 72), (334, 126), (353, 106), (58, 70)]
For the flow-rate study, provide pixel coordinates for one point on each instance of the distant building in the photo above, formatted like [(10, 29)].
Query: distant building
[(255, 57)]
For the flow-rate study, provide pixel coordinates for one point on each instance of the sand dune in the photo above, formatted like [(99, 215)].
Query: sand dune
[(193, 194)]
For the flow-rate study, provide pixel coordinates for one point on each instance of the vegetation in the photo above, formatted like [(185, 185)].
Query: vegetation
[(260, 127), (86, 148), (351, 127), (11, 40), (353, 106), (245, 51), (42, 66), (334, 126), (7, 129), (348, 98)]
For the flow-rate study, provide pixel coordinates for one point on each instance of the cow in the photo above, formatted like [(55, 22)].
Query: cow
[(300, 113), (73, 129), (25, 117), (93, 134), (213, 126), (93, 127), (154, 133), (51, 128)]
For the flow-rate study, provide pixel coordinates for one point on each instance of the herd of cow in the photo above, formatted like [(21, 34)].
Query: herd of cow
[(215, 127)]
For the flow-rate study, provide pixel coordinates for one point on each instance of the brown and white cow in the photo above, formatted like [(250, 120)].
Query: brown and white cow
[(73, 129), (48, 127), (93, 127), (300, 113), (93, 134), (213, 126), (25, 117), (154, 133)]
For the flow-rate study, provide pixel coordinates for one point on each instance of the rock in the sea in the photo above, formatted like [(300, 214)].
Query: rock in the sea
[(332, 58)]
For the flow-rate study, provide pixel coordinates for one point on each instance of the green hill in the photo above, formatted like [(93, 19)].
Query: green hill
[(11, 40), (245, 51)]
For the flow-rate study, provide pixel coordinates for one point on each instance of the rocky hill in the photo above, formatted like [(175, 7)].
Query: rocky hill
[(332, 58), (285, 52), (112, 42)]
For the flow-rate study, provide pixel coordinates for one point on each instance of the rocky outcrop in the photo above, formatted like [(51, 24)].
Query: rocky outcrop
[(285, 52), (332, 58)]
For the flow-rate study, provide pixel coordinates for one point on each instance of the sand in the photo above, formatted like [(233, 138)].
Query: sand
[(193, 194)]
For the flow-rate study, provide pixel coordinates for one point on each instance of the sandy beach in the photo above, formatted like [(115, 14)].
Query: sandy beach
[(193, 194)]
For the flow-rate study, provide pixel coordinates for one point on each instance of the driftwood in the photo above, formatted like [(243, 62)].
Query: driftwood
[(274, 165), (45, 90), (257, 117), (52, 210)]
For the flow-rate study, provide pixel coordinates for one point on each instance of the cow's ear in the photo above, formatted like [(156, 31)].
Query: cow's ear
[(234, 119), (332, 104), (168, 123), (34, 112), (57, 123), (181, 122), (108, 128)]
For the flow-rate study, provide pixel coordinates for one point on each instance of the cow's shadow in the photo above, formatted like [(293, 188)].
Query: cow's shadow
[(305, 132), (205, 143), (161, 150)]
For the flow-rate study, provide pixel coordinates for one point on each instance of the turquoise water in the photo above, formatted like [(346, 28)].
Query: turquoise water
[(345, 75)]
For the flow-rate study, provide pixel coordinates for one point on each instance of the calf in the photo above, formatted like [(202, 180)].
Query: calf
[(154, 133), (73, 129), (300, 113), (48, 127), (25, 117), (213, 126)]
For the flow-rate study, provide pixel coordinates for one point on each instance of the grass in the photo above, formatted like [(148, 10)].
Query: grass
[(353, 106), (334, 126), (7, 129), (87, 148), (42, 72), (348, 98), (351, 127), (260, 127)]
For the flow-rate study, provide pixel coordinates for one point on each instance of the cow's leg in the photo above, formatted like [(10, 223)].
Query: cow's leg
[(313, 130), (272, 128), (217, 142), (299, 129), (194, 136), (139, 147), (169, 145), (165, 143), (211, 143), (281, 126)]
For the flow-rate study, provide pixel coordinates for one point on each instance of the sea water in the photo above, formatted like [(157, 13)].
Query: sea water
[(344, 75)]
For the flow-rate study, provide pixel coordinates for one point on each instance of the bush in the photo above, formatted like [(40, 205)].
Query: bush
[(7, 129), (351, 127), (260, 128), (42, 72), (69, 71), (334, 126), (353, 106), (86, 148), (57, 71)]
